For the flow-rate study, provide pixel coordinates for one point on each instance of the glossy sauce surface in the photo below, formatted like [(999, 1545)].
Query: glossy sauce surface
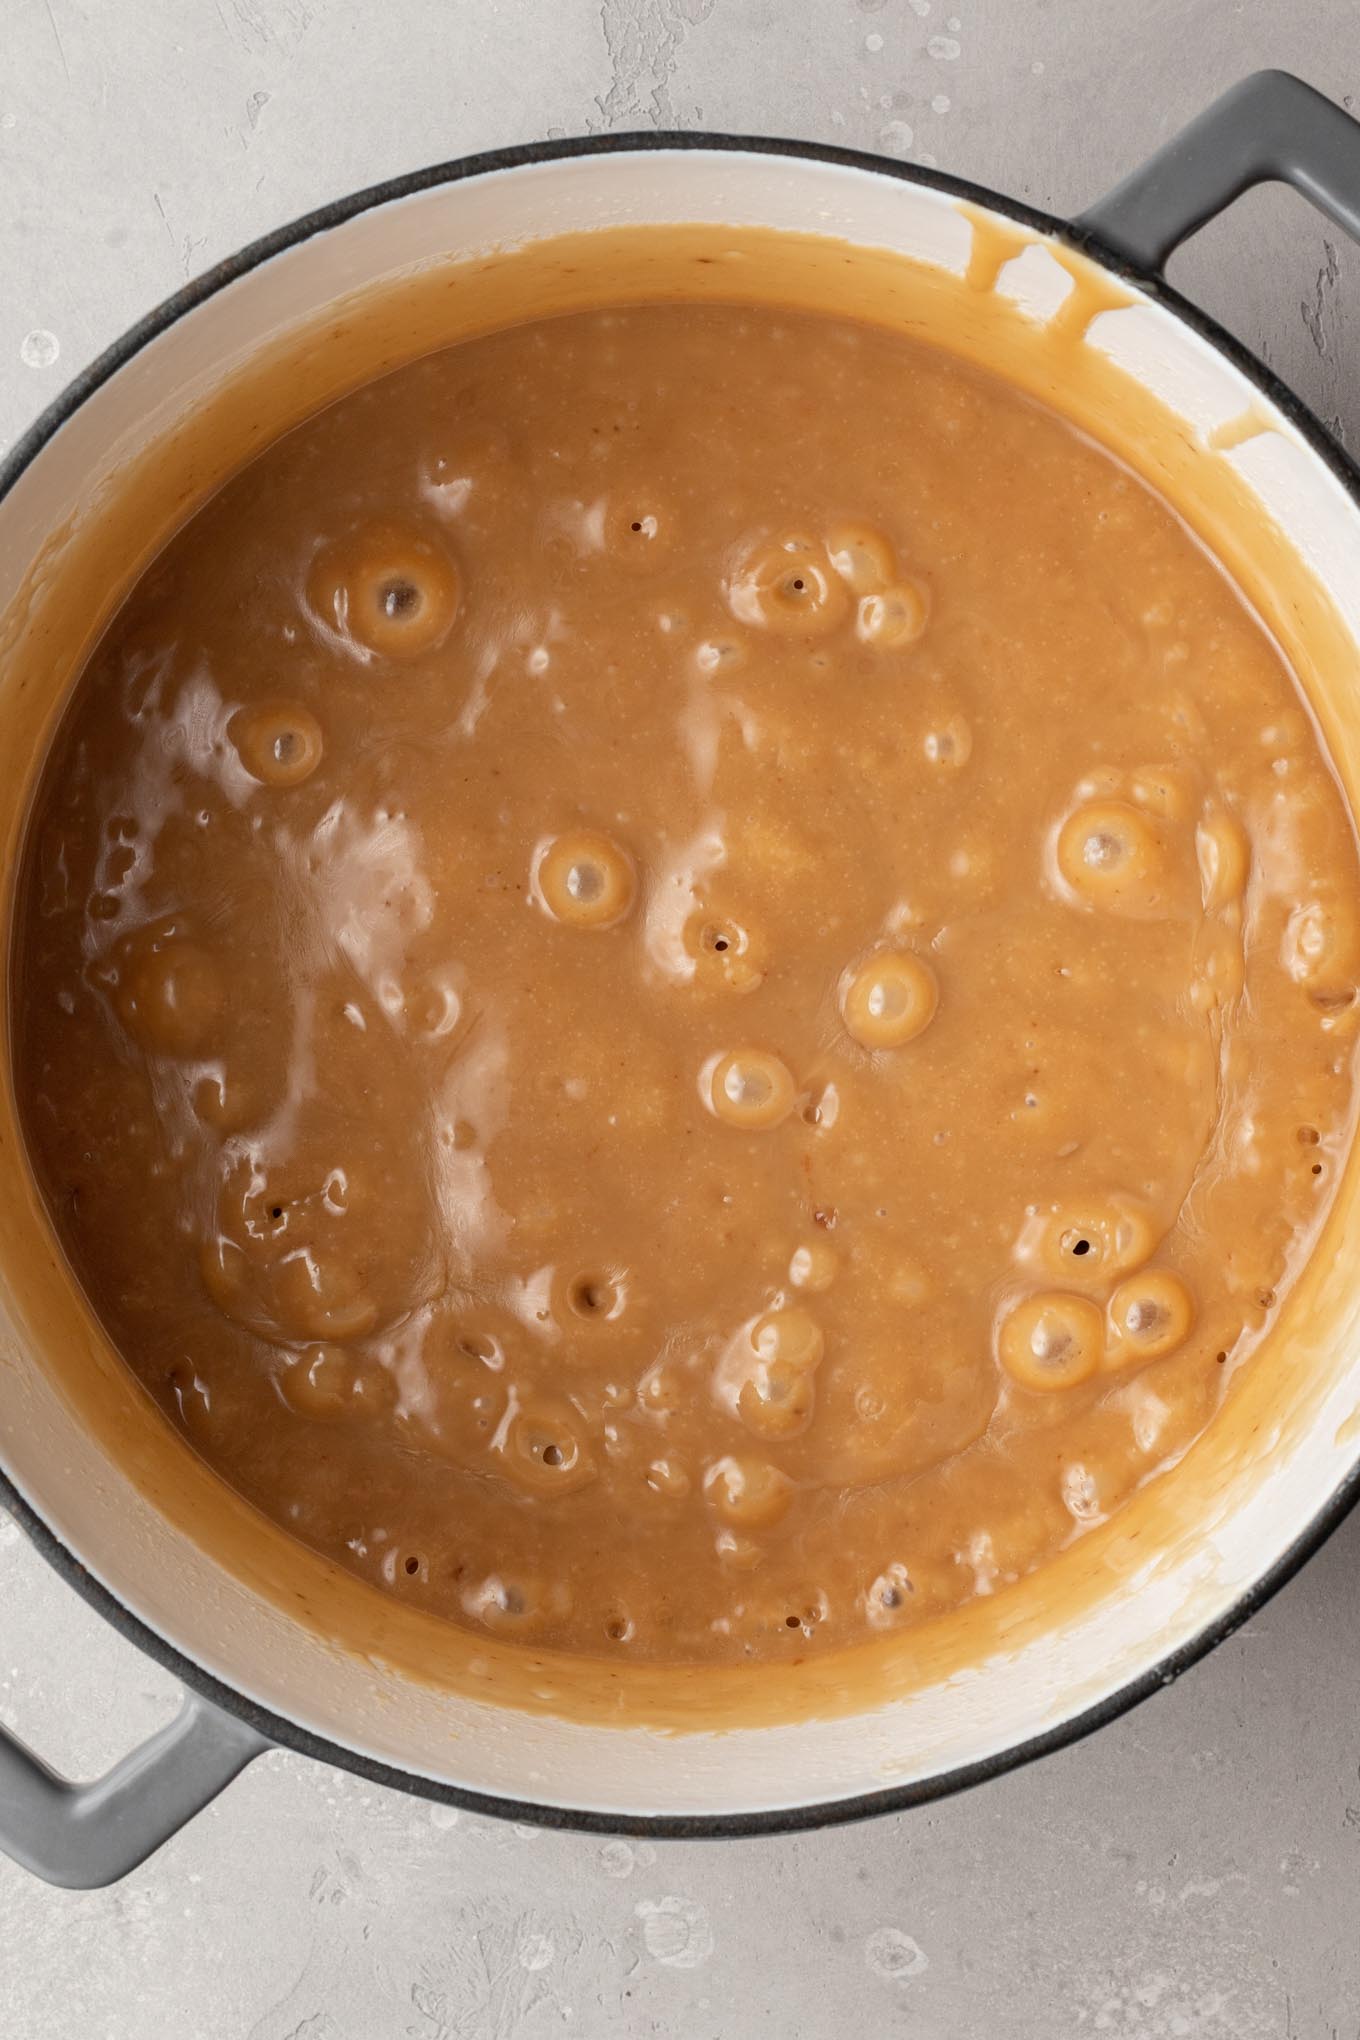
[(689, 982)]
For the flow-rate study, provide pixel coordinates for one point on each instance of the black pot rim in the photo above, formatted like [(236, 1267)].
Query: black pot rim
[(277, 1729)]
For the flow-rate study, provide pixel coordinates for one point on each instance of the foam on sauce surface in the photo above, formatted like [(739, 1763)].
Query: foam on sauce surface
[(689, 982)]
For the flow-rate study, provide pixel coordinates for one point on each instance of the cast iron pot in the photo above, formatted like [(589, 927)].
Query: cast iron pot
[(253, 1677)]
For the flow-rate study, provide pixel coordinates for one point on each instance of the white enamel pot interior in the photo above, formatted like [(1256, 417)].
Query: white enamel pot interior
[(175, 1596)]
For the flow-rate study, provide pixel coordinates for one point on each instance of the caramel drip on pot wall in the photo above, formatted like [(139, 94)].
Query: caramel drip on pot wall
[(1051, 364), (1235, 432), (995, 242), (1091, 294)]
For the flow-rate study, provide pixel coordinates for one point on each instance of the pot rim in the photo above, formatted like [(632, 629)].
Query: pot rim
[(277, 1729)]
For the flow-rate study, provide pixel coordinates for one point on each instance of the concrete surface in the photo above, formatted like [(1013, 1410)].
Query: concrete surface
[(1192, 1871)]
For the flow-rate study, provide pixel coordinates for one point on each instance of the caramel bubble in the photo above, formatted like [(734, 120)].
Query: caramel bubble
[(746, 1491), (319, 1295), (1051, 1341), (516, 1603), (170, 994), (948, 744), (787, 585), (888, 1600), (596, 1296), (814, 1265), (663, 1389), (725, 953), (720, 657), (1112, 856), (776, 1399), (333, 1386), (584, 880), (1090, 1242), (278, 742), (891, 619), (772, 1369), (227, 1100), (666, 1476), (790, 1336), (386, 588), (889, 999), (638, 534), (1149, 1315), (542, 1445), (861, 556), (748, 1088)]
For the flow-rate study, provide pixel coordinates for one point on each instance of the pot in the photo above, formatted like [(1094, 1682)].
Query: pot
[(91, 1472)]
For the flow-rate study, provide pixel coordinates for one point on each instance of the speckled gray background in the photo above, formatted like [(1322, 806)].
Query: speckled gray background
[(1192, 1871)]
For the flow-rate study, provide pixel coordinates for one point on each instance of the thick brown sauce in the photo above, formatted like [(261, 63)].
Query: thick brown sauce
[(688, 977)]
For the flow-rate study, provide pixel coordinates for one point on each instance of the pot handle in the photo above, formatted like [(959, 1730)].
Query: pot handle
[(1270, 127), (85, 1836)]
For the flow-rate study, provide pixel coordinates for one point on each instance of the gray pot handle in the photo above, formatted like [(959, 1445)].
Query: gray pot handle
[(1270, 127), (84, 1836)]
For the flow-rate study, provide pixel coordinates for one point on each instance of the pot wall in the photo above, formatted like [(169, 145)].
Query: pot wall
[(86, 1450)]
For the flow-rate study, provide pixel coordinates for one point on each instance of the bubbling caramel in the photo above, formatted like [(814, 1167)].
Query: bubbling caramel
[(677, 1039)]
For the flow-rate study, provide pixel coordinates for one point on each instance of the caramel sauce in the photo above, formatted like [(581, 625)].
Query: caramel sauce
[(900, 1387)]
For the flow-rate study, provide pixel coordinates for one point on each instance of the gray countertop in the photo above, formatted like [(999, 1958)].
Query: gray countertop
[(1189, 1873)]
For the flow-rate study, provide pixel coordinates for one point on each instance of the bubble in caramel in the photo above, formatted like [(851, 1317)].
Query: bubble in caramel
[(386, 589), (1149, 1315), (891, 618), (1051, 1341), (1113, 857), (766, 1377), (749, 1088), (862, 556), (745, 1490), (787, 585), (333, 1385), (170, 992), (1088, 1243), (278, 742), (584, 879), (889, 998)]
